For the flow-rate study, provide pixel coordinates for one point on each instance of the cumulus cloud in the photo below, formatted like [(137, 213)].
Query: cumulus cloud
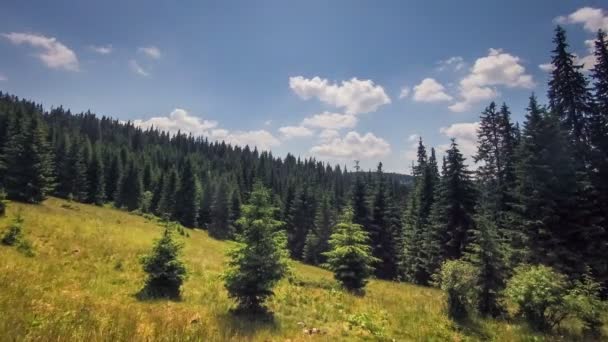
[(327, 120), (328, 135), (353, 146), (138, 69), (455, 63), (150, 51), (429, 90), (465, 134), (498, 68), (53, 53), (546, 67), (405, 92), (592, 19), (290, 132), (179, 120), (355, 96), (102, 49)]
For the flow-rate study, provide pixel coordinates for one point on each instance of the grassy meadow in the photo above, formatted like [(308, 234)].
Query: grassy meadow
[(81, 286)]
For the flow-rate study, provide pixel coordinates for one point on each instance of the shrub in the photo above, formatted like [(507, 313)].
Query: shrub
[(538, 292), (583, 302), (458, 279), (166, 273), (14, 234)]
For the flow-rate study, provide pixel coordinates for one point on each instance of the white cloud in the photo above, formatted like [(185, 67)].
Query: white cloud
[(138, 69), (102, 49), (327, 135), (329, 120), (465, 134), (3, 78), (355, 96), (405, 92), (289, 132), (150, 51), (353, 145), (592, 19), (54, 54), (179, 120), (429, 90), (455, 63), (498, 68), (413, 137), (546, 67)]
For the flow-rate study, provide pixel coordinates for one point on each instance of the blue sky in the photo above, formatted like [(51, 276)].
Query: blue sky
[(315, 78)]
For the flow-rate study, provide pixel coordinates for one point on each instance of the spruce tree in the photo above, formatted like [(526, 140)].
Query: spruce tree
[(317, 239), (360, 206), (350, 255), (383, 239), (188, 196), (453, 210), (260, 259), (569, 96), (132, 189), (166, 273), (96, 177), (206, 205), (78, 184), (114, 176), (235, 211), (167, 203), (300, 221), (220, 213)]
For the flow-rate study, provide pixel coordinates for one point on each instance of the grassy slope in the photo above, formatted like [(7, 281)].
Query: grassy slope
[(82, 281)]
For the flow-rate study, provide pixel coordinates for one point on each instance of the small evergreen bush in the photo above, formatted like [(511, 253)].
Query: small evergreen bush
[(14, 234), (583, 302), (166, 273)]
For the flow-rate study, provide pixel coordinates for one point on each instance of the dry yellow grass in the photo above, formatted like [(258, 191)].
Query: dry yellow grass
[(81, 285)]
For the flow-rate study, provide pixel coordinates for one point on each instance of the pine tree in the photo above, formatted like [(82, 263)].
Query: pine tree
[(220, 213), (260, 259), (96, 177), (360, 205), (167, 203), (206, 205), (453, 210), (77, 168), (487, 254), (383, 239), (235, 211), (188, 196), (27, 155), (62, 166), (300, 221), (132, 190), (317, 239), (569, 97), (350, 256), (166, 273), (113, 179)]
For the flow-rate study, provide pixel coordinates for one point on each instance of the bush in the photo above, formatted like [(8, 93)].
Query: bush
[(458, 279), (538, 292), (583, 302), (166, 273), (14, 234)]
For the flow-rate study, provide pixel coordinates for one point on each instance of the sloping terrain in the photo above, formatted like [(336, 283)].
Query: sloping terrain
[(82, 281)]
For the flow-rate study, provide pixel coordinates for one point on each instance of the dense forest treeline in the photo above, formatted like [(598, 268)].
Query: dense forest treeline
[(539, 193)]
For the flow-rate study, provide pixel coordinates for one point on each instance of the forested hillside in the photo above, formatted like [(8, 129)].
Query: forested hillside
[(538, 194)]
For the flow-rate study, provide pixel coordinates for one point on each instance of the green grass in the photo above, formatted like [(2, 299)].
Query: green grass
[(82, 281)]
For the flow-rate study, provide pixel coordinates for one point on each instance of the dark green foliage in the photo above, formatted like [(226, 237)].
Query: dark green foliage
[(235, 211), (487, 255), (350, 256), (382, 237), (458, 279), (360, 205), (260, 259), (77, 171), (206, 205), (2, 203), (132, 189), (96, 177), (14, 233), (114, 176), (220, 226), (188, 196), (538, 292), (166, 273), (454, 207), (317, 239), (167, 201), (583, 302), (300, 221)]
